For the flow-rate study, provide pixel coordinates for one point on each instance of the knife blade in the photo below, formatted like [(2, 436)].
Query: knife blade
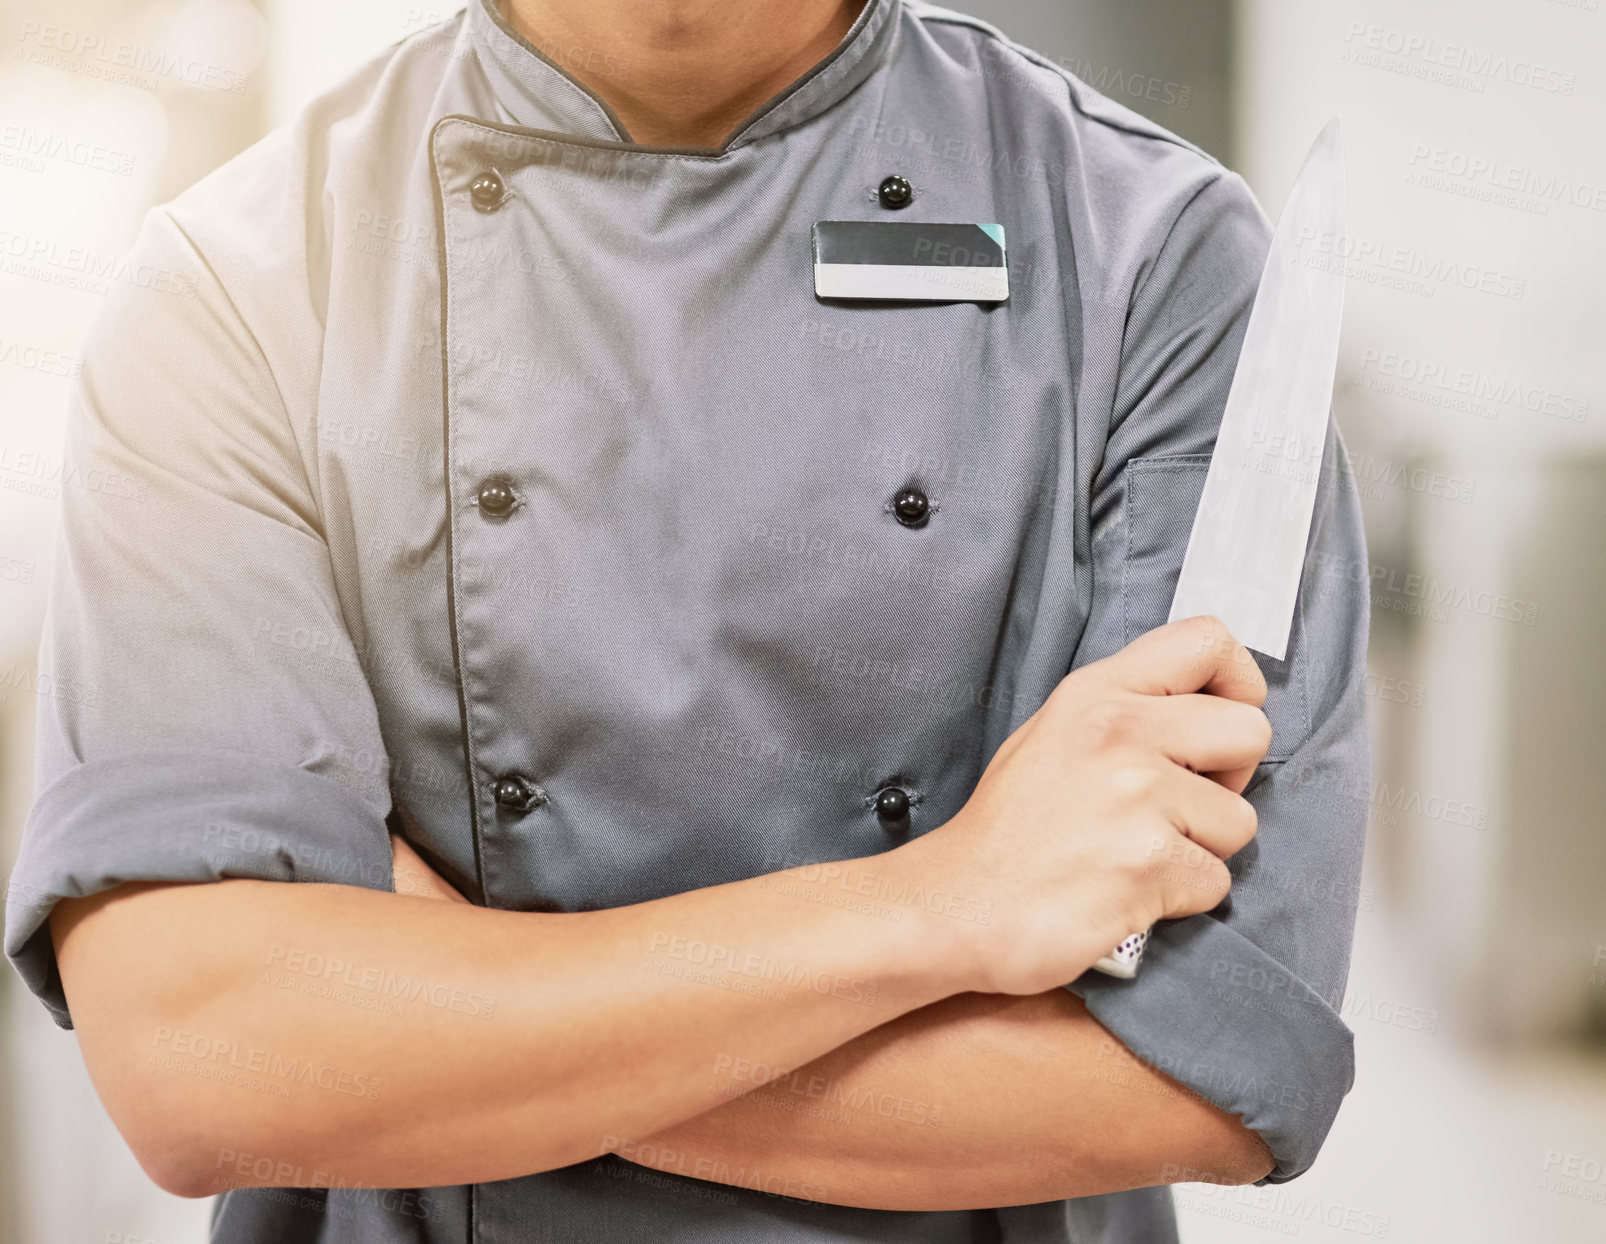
[(1247, 548)]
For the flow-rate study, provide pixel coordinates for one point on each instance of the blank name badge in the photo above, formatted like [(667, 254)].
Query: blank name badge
[(910, 261)]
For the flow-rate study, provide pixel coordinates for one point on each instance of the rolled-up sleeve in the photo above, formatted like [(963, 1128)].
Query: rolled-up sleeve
[(202, 711), (1241, 1004)]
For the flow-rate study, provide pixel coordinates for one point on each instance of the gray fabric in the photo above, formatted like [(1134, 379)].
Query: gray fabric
[(702, 631), (1260, 981)]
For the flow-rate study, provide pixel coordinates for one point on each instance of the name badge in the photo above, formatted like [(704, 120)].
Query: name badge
[(910, 261)]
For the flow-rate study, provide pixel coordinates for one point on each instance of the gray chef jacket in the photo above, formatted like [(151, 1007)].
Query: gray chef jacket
[(485, 474)]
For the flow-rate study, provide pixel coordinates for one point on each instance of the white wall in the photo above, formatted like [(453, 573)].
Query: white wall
[(1475, 153), (1470, 1102)]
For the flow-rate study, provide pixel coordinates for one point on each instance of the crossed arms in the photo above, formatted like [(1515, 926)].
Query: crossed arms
[(1111, 807)]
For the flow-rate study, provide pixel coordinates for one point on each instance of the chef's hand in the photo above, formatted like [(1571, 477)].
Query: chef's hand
[(1111, 807)]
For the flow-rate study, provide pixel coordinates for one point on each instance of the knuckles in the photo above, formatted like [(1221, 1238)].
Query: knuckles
[(1110, 723), (1134, 782)]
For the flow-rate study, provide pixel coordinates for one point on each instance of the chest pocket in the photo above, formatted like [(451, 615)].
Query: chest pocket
[(1162, 496)]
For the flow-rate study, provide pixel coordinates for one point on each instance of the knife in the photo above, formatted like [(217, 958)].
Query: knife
[(1247, 547)]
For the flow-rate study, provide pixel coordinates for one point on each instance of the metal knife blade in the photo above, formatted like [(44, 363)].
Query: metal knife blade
[(1248, 544), (1247, 548)]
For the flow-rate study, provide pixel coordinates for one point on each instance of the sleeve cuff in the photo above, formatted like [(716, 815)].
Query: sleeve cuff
[(191, 817), (1216, 1013)]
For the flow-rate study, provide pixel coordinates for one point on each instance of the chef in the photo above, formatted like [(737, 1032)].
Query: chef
[(661, 519)]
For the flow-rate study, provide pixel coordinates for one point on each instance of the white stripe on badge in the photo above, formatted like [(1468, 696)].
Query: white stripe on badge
[(911, 282)]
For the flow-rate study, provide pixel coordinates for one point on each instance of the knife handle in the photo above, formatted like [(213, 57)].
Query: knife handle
[(1123, 961)]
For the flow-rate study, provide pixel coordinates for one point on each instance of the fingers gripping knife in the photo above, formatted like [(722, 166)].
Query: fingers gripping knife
[(1248, 543)]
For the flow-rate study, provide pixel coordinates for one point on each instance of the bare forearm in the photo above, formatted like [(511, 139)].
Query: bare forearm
[(200, 1031), (453, 1044), (980, 1100)]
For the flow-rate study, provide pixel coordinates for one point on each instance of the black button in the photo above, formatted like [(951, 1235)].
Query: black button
[(496, 498), (895, 192), (488, 192), (892, 805), (517, 793), (912, 507)]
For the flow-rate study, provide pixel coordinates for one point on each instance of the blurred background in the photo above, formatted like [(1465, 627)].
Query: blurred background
[(1472, 393)]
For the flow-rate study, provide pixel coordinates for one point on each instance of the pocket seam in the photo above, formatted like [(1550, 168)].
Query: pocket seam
[(1172, 464)]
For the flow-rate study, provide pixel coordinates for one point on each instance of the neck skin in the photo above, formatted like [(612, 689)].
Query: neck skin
[(683, 73)]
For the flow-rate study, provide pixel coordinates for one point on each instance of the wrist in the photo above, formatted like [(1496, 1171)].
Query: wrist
[(946, 927), (895, 917)]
